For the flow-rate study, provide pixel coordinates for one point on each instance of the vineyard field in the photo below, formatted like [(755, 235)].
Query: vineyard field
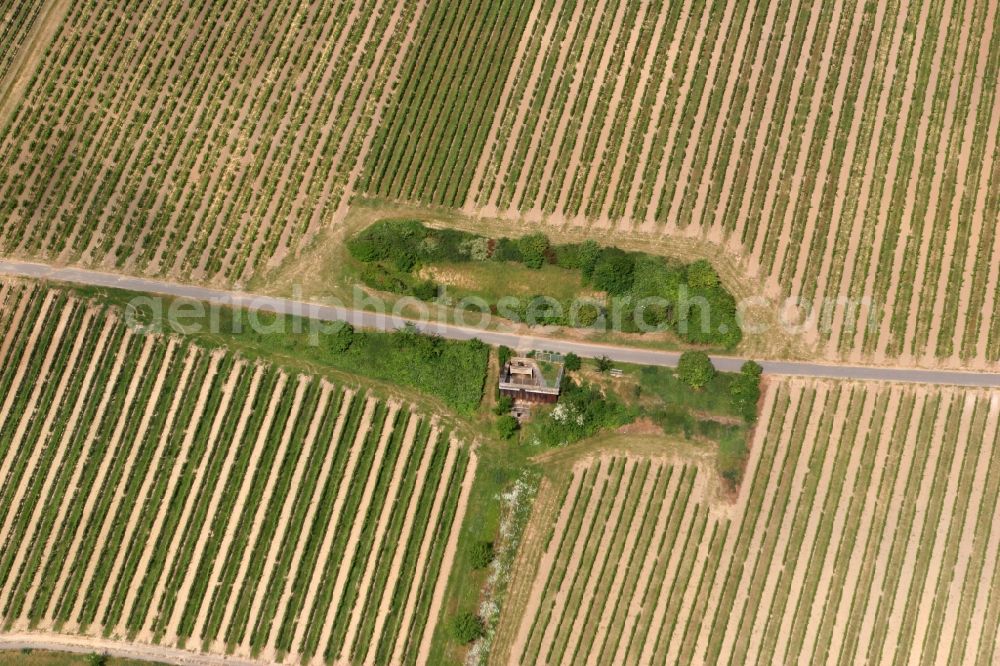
[(17, 17), (205, 140), (863, 533), (155, 492)]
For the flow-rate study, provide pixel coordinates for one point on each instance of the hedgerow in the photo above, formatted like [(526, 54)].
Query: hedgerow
[(688, 300)]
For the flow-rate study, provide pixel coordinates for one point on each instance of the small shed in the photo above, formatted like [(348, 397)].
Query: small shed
[(531, 379)]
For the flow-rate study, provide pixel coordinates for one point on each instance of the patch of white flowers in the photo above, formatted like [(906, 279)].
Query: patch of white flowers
[(515, 509), (566, 413)]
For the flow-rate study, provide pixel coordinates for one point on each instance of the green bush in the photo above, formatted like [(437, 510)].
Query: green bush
[(695, 369), (583, 411), (467, 627), (587, 254), (571, 362), (744, 391), (604, 364), (341, 338), (506, 426), (481, 554), (533, 248), (504, 404), (507, 250), (614, 271), (732, 457), (701, 275)]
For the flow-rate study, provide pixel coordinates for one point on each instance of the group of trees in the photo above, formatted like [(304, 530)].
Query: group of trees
[(644, 292)]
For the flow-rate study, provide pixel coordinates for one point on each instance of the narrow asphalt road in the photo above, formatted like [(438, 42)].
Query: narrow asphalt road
[(367, 319)]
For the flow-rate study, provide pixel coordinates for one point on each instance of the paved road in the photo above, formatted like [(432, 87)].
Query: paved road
[(366, 319)]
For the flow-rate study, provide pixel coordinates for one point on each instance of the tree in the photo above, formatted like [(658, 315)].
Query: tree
[(744, 391), (533, 248), (481, 553), (341, 339), (587, 255), (695, 369), (506, 426), (604, 364), (571, 362), (614, 271), (467, 627)]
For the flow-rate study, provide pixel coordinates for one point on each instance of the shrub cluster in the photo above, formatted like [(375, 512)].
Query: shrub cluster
[(687, 299), (583, 410)]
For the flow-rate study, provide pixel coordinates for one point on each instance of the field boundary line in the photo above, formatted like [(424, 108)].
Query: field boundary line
[(336, 514), (898, 597), (185, 590), (153, 611), (965, 550), (308, 521), (277, 540), (403, 637), (361, 601), (88, 510), (945, 523), (817, 605), (448, 559), (385, 605), (222, 556), (360, 521), (72, 486), (61, 447), (236, 591)]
